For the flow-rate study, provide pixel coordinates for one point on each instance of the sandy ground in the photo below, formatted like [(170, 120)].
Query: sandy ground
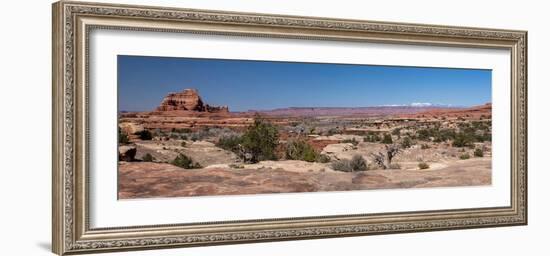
[(147, 180)]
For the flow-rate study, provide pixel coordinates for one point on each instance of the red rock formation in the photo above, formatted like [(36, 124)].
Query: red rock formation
[(188, 100)]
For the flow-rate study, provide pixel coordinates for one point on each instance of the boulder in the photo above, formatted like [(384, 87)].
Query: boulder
[(131, 128), (127, 153)]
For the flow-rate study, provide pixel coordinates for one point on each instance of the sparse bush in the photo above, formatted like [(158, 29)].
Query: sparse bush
[(462, 140), (342, 165), (424, 146), (436, 134), (185, 162), (396, 131), (148, 158), (122, 137), (182, 130), (387, 139), (300, 150), (423, 166), (332, 131), (478, 152), (230, 143), (322, 158), (464, 156), (357, 163), (260, 141), (424, 134), (183, 144), (145, 135), (407, 142), (385, 160), (371, 138)]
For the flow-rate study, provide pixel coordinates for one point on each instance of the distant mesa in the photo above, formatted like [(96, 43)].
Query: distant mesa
[(188, 100)]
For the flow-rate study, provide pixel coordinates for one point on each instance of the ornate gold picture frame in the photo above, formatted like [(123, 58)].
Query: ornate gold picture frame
[(72, 24)]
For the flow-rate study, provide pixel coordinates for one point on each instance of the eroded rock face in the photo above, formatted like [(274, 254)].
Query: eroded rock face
[(189, 100)]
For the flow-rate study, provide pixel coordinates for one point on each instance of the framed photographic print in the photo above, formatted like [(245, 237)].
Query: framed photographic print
[(179, 127)]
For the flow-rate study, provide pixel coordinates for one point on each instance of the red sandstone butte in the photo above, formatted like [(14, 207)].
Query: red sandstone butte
[(189, 100)]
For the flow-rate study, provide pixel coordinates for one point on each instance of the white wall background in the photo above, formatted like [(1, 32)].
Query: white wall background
[(25, 151)]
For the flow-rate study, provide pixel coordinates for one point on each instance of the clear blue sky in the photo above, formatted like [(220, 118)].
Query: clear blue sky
[(261, 85)]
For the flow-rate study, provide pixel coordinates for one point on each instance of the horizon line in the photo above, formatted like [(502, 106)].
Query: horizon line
[(346, 107)]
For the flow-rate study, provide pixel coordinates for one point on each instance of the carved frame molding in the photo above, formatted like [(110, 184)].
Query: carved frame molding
[(72, 22)]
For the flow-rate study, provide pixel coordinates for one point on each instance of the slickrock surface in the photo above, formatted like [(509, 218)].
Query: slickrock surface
[(148, 180)]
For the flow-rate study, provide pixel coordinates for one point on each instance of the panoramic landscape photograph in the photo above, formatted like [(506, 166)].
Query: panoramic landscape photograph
[(211, 127)]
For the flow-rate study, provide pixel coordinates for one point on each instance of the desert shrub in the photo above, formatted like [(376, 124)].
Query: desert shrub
[(148, 158), (352, 141), (423, 165), (396, 131), (484, 137), (478, 152), (424, 146), (436, 134), (406, 142), (145, 135), (209, 133), (464, 156), (185, 162), (342, 165), (230, 143), (182, 130), (357, 163), (300, 150), (371, 138), (183, 144), (260, 141), (122, 137), (424, 134), (322, 158), (332, 131), (463, 140), (387, 139), (477, 131)]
